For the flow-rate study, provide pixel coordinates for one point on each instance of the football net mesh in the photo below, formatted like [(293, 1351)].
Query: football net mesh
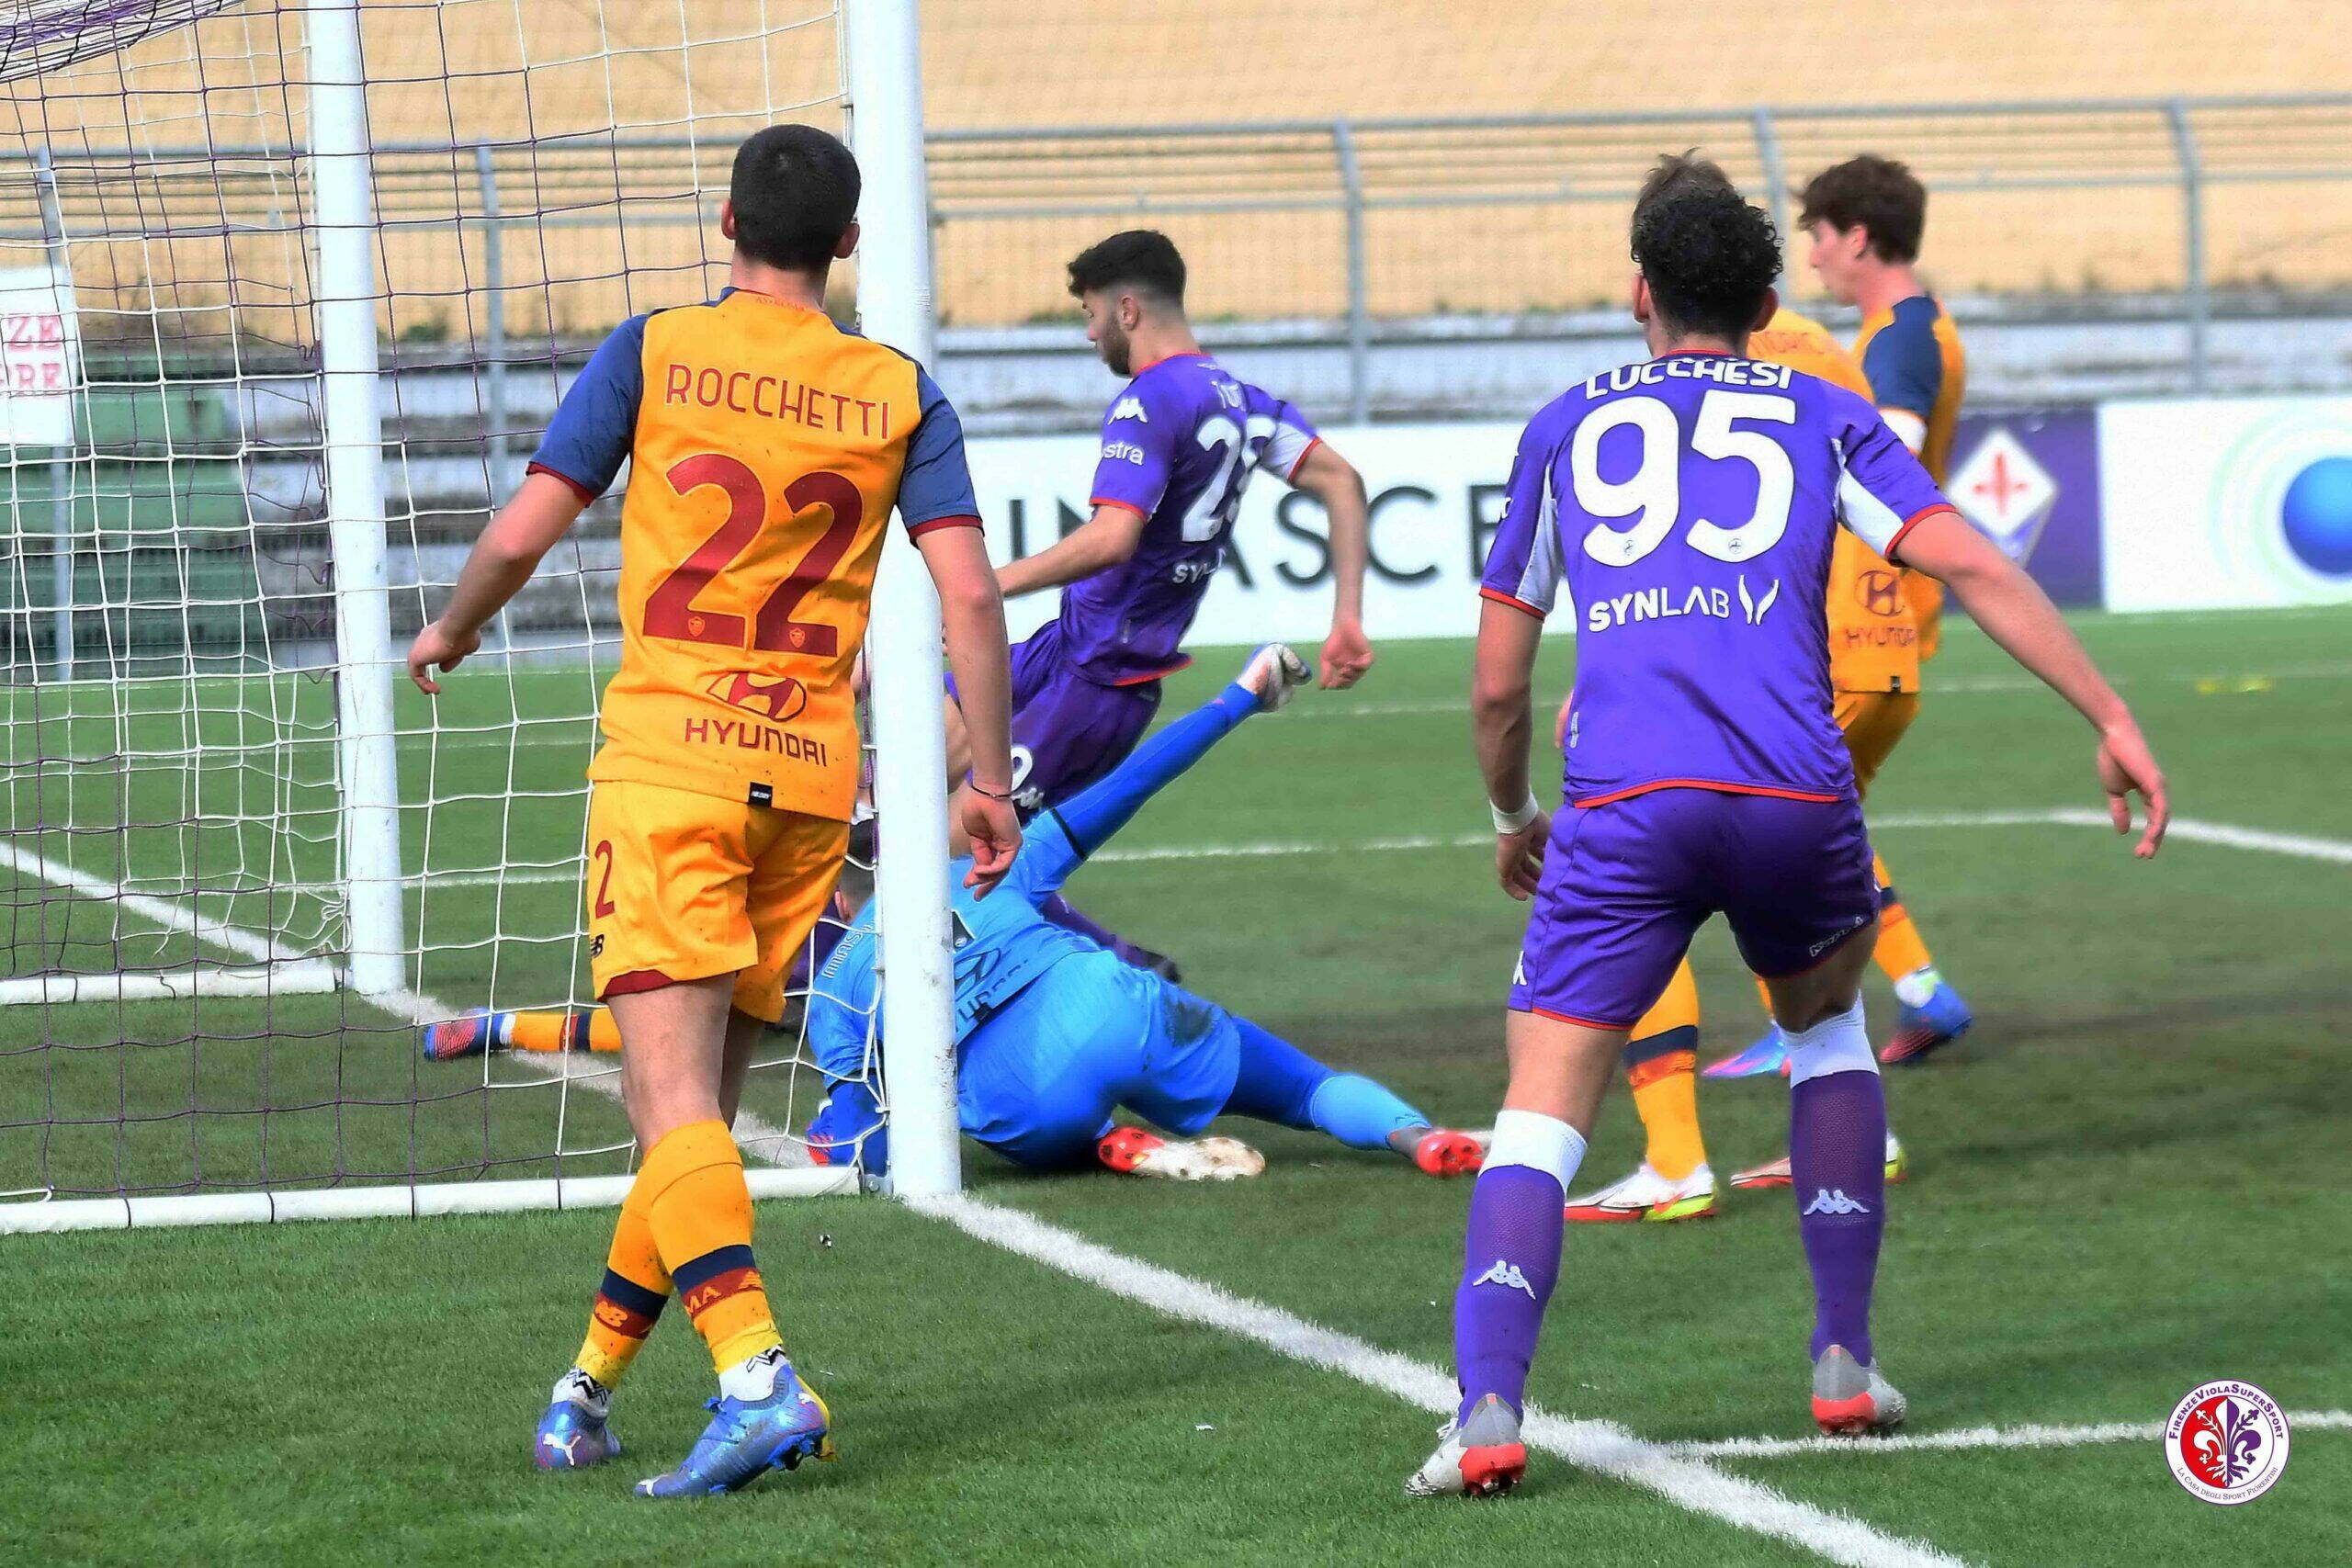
[(178, 1014)]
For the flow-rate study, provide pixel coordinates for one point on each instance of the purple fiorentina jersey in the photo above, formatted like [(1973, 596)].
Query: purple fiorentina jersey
[(1689, 503), (1179, 445)]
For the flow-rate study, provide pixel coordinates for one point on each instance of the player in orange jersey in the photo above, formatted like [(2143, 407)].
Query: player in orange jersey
[(766, 449), (1865, 217)]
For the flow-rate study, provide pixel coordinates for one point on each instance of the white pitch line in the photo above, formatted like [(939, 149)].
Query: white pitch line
[(1312, 706), (1599, 1446), (764, 1139), (2300, 846), (2031, 1437), (162, 912)]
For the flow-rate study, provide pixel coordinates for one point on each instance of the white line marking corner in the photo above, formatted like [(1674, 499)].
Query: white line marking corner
[(1682, 1479)]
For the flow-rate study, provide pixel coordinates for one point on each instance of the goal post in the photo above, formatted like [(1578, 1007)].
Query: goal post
[(332, 264), (344, 190), (885, 77)]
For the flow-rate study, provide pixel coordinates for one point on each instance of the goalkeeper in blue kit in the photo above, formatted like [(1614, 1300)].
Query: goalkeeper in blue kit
[(1054, 1031)]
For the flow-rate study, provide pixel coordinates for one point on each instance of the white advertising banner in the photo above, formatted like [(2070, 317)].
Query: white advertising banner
[(36, 356), (2226, 503), (1437, 494)]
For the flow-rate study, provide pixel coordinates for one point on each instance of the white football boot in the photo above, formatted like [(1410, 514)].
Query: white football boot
[(1646, 1195), (1482, 1457), (1775, 1172)]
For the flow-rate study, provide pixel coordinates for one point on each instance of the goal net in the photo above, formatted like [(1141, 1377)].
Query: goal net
[(289, 288)]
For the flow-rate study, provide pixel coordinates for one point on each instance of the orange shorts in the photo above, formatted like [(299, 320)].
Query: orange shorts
[(1873, 723), (682, 886)]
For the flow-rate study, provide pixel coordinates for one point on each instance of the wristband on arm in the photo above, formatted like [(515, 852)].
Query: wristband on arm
[(1515, 821)]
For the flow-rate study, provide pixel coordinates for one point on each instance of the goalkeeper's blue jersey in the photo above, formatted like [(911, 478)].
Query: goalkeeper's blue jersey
[(1002, 945), (1074, 1029)]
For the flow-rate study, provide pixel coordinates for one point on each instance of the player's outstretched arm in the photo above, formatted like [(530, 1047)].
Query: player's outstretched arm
[(972, 619), (1503, 723), (1333, 480), (1107, 538), (544, 507), (2016, 615), (1060, 840)]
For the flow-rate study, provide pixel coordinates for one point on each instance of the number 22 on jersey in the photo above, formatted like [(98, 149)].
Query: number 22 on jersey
[(670, 609)]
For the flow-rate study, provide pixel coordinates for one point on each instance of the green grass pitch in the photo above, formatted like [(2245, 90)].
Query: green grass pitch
[(2131, 1178)]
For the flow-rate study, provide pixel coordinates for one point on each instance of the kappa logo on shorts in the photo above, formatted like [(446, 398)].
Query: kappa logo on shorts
[(1833, 1201), (779, 701), (1825, 944), (1507, 1276)]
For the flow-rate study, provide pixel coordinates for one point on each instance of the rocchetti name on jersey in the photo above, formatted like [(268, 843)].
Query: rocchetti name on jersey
[(774, 397)]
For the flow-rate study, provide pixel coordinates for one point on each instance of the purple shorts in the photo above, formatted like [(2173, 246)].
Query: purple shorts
[(1626, 886), (1067, 731)]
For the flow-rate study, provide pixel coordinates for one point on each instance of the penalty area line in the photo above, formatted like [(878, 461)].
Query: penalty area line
[(2187, 829), (2028, 1437), (1685, 1481), (759, 1138)]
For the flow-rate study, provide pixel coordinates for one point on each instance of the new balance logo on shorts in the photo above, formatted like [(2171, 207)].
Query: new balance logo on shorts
[(1833, 1201), (1507, 1276)]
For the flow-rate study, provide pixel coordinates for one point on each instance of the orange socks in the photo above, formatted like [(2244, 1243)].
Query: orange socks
[(700, 1212), (1661, 1063), (630, 1300), (591, 1029), (1900, 952)]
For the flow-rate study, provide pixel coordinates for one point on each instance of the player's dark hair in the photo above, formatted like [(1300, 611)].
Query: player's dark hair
[(1708, 257), (1144, 260), (795, 192), (1880, 194), (1678, 171)]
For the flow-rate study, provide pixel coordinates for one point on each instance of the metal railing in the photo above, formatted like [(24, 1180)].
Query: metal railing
[(1363, 235), (2033, 206)]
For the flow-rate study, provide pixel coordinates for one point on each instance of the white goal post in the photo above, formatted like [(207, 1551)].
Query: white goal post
[(246, 865), (885, 73)]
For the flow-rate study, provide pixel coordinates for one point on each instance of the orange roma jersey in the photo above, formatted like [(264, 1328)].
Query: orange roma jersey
[(766, 450), (1873, 644), (1913, 357)]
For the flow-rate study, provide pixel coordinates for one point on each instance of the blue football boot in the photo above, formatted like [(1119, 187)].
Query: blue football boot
[(1769, 1055), (1934, 1024), (746, 1438), (574, 1436), (475, 1034)]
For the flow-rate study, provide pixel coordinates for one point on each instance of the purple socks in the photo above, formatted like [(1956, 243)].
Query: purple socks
[(1510, 1258), (1838, 1170)]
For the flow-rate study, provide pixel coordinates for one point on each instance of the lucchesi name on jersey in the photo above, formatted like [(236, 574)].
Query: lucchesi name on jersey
[(766, 449)]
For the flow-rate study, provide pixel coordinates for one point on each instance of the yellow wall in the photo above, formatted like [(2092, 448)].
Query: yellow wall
[(523, 70)]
